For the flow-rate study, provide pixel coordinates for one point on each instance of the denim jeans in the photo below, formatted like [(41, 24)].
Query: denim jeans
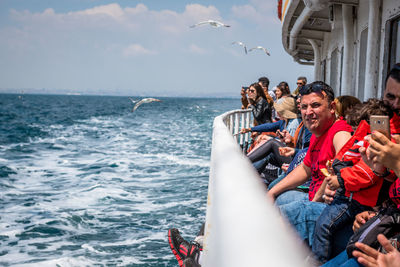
[(303, 214), (333, 218), (290, 197), (342, 260)]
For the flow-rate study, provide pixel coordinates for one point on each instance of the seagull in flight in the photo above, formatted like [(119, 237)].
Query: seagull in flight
[(241, 44), (260, 48), (143, 101), (213, 23)]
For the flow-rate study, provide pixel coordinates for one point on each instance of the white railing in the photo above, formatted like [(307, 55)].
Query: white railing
[(243, 227), (236, 120)]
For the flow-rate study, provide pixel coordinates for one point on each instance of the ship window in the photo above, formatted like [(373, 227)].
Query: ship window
[(323, 70), (392, 45), (362, 63), (341, 70), (334, 71), (395, 43)]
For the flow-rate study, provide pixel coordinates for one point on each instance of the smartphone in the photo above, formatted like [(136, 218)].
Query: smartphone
[(245, 88), (381, 124)]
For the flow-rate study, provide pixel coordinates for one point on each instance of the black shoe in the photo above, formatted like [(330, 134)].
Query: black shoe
[(179, 246), (189, 262)]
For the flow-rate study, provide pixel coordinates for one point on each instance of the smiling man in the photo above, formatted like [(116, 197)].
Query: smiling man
[(329, 135), (392, 91)]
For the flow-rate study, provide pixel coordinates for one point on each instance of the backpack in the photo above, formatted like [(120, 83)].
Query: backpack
[(386, 222)]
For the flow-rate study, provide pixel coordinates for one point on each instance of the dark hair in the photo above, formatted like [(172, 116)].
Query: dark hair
[(260, 92), (284, 87), (394, 73), (264, 81), (318, 87), (304, 79), (362, 111)]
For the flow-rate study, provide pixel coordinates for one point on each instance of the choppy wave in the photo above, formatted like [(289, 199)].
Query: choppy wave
[(86, 182)]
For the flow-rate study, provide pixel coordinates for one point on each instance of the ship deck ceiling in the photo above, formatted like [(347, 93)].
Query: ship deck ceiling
[(315, 28)]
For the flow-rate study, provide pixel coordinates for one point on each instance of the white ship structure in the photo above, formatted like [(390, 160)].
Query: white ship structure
[(352, 45)]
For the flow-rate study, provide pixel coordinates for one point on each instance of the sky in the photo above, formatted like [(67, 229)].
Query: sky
[(141, 48)]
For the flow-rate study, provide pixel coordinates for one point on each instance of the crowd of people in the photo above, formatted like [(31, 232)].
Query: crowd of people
[(337, 183)]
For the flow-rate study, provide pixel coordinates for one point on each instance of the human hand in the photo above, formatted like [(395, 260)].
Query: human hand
[(383, 151), (368, 158), (286, 151), (286, 137), (243, 92), (245, 130), (285, 167), (254, 135), (333, 182), (362, 218), (328, 195), (370, 257)]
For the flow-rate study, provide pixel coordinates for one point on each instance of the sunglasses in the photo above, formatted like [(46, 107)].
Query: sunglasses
[(252, 90), (314, 88), (299, 83)]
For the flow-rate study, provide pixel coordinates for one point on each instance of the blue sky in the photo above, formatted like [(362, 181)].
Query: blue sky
[(140, 47)]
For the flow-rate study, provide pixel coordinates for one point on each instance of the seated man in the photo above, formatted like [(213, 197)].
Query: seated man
[(329, 135)]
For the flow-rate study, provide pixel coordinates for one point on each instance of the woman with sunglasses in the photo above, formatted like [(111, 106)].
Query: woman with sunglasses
[(260, 105)]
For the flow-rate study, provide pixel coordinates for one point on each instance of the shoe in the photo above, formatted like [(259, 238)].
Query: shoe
[(179, 246), (189, 262)]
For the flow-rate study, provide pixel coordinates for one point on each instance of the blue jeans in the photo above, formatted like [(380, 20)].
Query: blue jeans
[(290, 197), (342, 260), (303, 215), (333, 218)]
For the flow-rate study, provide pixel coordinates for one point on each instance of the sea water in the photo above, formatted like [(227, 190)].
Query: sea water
[(86, 182)]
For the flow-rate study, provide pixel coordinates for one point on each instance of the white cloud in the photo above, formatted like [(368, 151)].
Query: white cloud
[(196, 49), (138, 18), (258, 11), (137, 50)]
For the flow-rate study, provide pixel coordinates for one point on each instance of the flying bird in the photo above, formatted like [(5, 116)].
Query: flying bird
[(260, 48), (213, 23), (143, 101), (241, 44)]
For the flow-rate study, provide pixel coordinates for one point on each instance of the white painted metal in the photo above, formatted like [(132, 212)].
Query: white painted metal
[(348, 40), (372, 64), (242, 119), (317, 60), (243, 227), (301, 20)]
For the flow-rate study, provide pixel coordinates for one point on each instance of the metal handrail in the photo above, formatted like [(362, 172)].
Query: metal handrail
[(235, 120)]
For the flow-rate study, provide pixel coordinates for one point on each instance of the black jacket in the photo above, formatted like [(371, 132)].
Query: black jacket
[(262, 111)]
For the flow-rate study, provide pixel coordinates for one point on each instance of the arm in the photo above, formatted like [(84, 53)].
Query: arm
[(318, 197), (357, 177), (297, 177), (268, 127), (340, 139), (244, 100)]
